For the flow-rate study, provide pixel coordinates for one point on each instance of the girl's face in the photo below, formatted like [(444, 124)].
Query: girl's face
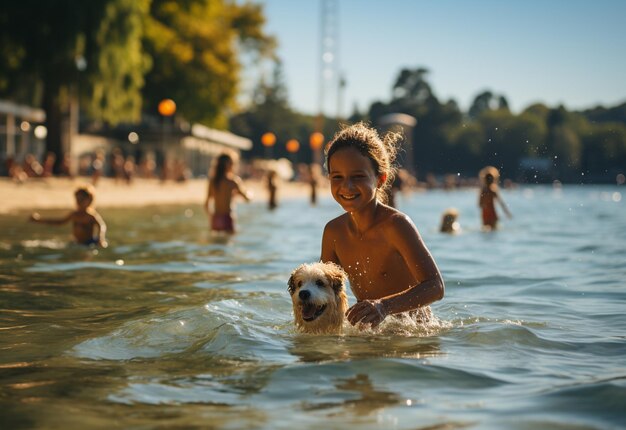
[(353, 181)]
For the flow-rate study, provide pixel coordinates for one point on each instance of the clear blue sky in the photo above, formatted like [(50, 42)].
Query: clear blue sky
[(552, 51)]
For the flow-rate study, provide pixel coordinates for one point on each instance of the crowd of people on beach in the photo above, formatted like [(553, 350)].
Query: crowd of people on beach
[(31, 167), (401, 277), (122, 168)]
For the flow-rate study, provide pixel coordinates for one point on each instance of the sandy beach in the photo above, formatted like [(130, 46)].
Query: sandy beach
[(57, 193)]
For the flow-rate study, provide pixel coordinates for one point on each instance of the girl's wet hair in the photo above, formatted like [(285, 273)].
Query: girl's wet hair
[(365, 139), (222, 161)]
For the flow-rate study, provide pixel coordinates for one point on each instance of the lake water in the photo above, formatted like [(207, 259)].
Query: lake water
[(171, 328)]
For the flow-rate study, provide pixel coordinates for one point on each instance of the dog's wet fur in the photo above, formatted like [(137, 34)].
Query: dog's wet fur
[(318, 295)]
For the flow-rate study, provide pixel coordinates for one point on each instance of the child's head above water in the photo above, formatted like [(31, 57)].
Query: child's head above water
[(489, 175), (449, 223), (84, 195), (366, 140)]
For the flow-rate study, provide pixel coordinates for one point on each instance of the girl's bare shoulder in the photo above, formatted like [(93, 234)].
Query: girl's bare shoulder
[(395, 221), (338, 223)]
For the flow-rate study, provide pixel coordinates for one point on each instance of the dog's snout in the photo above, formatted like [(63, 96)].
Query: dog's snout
[(304, 294)]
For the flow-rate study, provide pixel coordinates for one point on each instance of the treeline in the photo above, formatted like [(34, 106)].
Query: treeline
[(119, 58), (540, 144)]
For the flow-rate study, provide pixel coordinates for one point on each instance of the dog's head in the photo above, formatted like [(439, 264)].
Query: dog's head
[(318, 296)]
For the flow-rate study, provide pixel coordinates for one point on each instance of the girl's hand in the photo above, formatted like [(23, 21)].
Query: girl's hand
[(371, 312), (35, 217)]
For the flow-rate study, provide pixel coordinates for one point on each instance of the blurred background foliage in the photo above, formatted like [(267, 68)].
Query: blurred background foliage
[(121, 57)]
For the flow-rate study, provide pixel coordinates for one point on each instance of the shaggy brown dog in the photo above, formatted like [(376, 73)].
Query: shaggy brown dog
[(319, 298)]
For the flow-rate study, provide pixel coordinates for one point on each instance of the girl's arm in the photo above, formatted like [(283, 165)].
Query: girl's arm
[(504, 206), (35, 217), (430, 286), (209, 195), (241, 190)]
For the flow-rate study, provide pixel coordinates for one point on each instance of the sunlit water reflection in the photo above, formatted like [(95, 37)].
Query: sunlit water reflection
[(173, 328)]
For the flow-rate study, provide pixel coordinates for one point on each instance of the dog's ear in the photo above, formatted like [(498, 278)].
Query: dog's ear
[(291, 285), (336, 276)]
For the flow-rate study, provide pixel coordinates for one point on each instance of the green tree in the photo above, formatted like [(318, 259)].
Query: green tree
[(522, 136), (41, 43), (487, 101), (468, 144), (411, 87), (413, 95), (269, 112), (604, 150), (601, 114), (195, 46)]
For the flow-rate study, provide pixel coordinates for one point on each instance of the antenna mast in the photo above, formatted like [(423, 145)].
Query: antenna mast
[(329, 81)]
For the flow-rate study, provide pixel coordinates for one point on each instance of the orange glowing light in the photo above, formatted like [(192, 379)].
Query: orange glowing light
[(268, 139), (167, 107), (316, 140), (292, 145)]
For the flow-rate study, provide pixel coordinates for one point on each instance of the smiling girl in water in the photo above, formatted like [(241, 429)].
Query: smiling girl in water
[(389, 267)]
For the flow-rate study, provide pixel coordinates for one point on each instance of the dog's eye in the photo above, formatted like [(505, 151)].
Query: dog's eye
[(299, 284), (319, 283)]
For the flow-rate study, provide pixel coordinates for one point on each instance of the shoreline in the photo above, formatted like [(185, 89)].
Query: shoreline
[(58, 193)]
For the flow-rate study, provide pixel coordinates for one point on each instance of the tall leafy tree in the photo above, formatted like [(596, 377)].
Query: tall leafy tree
[(604, 149), (196, 47), (43, 42), (486, 101), (269, 112), (413, 95)]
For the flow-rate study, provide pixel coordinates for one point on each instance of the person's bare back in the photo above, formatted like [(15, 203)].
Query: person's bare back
[(223, 194), (223, 186)]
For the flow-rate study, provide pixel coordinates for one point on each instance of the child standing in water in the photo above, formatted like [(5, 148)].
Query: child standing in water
[(488, 195), (313, 170), (271, 189), (223, 186), (88, 227), (389, 267)]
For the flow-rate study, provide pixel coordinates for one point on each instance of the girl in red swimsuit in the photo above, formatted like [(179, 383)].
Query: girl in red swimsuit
[(223, 186), (488, 195)]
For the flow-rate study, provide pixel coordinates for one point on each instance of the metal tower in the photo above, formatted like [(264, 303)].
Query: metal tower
[(330, 83)]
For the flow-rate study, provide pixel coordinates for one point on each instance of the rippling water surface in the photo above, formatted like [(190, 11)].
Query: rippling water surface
[(173, 328)]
